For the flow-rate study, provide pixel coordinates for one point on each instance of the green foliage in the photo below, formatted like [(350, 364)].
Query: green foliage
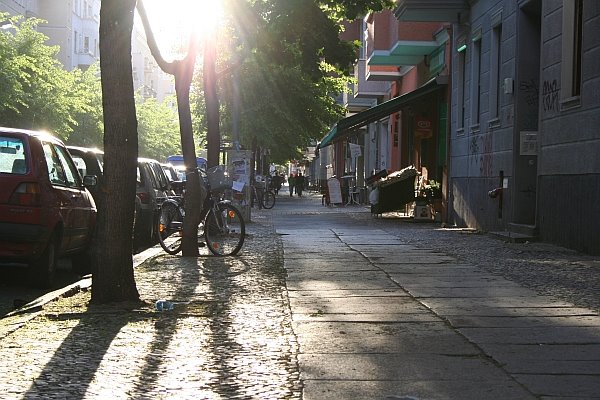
[(36, 90), (37, 93), (87, 89), (293, 66), (158, 129)]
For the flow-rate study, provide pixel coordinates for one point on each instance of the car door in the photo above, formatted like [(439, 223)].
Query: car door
[(73, 200), (162, 183)]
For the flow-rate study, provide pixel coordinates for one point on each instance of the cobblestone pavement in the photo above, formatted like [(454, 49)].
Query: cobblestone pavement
[(229, 337)]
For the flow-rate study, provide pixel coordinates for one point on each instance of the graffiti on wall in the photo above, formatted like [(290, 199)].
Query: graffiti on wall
[(480, 149), (530, 92), (550, 95)]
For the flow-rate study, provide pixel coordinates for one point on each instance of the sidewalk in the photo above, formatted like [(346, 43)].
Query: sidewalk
[(324, 303)]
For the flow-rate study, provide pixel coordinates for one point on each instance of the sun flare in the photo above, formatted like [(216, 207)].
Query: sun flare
[(174, 21)]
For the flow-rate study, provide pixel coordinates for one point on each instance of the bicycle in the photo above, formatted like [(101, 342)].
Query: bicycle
[(222, 225), (264, 197)]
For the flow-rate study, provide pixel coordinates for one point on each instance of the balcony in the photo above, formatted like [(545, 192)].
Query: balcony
[(403, 53), (431, 10), (407, 53), (354, 105), (368, 89), (386, 72)]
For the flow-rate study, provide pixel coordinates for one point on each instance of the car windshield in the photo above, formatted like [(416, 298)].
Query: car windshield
[(12, 156)]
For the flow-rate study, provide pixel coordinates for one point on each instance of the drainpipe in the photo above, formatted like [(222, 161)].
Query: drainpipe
[(446, 187)]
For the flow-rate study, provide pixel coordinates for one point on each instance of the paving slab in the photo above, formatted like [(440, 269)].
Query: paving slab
[(535, 335), (402, 366), (414, 389), (339, 284), (344, 293), (499, 302), (371, 240), (413, 258), (486, 292), (396, 251), (562, 386), (365, 317), (491, 310), (328, 338), (345, 255), (542, 352), (361, 305), (346, 280), (467, 321), (413, 271), (416, 281)]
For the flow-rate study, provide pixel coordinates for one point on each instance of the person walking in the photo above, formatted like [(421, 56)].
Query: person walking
[(299, 183), (291, 183)]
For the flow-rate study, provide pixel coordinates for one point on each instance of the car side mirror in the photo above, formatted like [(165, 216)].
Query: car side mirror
[(90, 181)]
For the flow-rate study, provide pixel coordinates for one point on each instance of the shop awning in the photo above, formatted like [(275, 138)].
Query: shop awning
[(346, 126)]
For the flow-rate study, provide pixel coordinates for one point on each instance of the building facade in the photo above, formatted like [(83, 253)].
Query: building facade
[(73, 25), (498, 99)]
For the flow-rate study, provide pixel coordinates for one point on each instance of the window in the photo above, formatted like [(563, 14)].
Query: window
[(495, 72), (476, 80), (56, 173), (71, 174), (12, 156), (461, 86), (75, 42), (86, 44), (571, 48)]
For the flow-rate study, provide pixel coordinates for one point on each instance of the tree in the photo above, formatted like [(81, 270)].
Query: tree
[(158, 129), (89, 127), (183, 71), (35, 91), (291, 72), (113, 278)]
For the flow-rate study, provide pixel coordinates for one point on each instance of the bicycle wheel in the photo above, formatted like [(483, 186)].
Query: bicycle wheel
[(170, 224), (224, 232), (268, 199)]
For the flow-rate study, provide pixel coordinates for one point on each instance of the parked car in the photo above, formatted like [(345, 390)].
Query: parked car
[(176, 183), (89, 161), (46, 210), (152, 188)]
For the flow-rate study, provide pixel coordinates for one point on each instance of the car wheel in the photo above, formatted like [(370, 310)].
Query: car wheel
[(82, 262), (42, 270)]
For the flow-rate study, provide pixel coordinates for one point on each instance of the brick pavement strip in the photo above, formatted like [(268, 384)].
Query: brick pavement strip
[(229, 335)]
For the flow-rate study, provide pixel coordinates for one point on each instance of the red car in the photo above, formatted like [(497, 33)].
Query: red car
[(46, 211)]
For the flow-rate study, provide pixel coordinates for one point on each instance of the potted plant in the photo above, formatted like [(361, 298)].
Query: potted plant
[(431, 191)]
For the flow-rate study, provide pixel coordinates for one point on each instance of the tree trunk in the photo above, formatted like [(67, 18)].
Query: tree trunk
[(113, 278), (213, 136), (195, 193), (194, 190)]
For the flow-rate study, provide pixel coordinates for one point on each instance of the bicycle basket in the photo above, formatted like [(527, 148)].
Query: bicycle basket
[(218, 178)]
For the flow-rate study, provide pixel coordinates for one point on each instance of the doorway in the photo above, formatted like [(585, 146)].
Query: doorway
[(524, 186)]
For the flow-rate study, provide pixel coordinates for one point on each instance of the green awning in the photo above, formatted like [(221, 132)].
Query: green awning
[(347, 125)]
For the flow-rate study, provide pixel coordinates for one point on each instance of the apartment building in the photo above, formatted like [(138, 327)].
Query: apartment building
[(508, 93), (73, 25)]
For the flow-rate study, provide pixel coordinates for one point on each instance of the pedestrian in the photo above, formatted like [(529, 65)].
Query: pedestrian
[(299, 183), (277, 181), (291, 183)]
